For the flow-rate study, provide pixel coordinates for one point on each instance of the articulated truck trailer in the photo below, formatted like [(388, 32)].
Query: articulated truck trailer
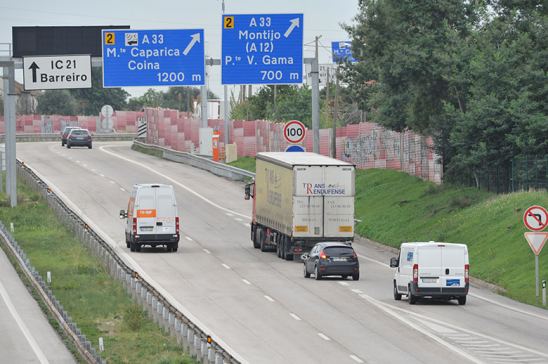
[(300, 199)]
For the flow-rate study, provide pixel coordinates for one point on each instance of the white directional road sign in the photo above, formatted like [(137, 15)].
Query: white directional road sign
[(294, 131), (262, 49), (56, 72), (170, 57)]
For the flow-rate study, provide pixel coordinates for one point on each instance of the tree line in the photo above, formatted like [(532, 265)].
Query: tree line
[(472, 74)]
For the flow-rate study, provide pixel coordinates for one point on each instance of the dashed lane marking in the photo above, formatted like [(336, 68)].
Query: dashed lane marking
[(294, 316), (226, 266), (269, 298), (246, 282), (355, 358), (323, 336), (207, 251)]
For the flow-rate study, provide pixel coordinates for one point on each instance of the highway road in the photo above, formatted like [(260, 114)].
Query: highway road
[(261, 306), (25, 333)]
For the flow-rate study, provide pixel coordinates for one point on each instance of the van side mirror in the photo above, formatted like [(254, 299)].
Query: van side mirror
[(123, 214), (394, 263)]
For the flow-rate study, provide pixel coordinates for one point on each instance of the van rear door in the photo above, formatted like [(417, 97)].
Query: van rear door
[(430, 265), (453, 259), (145, 206), (166, 210)]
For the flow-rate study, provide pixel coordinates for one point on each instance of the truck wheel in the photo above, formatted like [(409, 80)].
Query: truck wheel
[(462, 300), (317, 274), (256, 239), (288, 256), (282, 248), (306, 274), (132, 246), (127, 243), (137, 247), (397, 296), (278, 253), (411, 298)]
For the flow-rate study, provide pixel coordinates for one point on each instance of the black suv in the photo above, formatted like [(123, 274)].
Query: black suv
[(331, 259)]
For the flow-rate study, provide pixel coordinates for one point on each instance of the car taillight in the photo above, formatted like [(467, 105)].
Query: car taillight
[(415, 273), (354, 255), (467, 273), (177, 224), (322, 255), (134, 226)]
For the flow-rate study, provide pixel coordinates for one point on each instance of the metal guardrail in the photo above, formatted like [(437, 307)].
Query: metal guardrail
[(219, 169), (54, 137), (83, 345), (193, 339)]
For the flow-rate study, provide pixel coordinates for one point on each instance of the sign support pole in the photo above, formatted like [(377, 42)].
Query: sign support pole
[(316, 100), (9, 116), (203, 98), (225, 113), (536, 277)]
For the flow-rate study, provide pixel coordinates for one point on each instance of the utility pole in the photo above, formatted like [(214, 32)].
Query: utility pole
[(275, 105), (315, 99), (335, 114)]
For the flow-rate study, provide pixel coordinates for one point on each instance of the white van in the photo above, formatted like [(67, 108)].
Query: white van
[(152, 217), (435, 270)]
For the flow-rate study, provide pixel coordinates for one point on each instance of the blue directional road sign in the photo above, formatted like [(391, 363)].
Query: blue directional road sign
[(294, 148), (153, 57), (342, 52), (262, 49)]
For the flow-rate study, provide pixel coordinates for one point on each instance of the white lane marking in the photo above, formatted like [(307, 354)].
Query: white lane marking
[(78, 161), (207, 251), (94, 170), (294, 316), (132, 263), (388, 309), (238, 219), (343, 284), (188, 238), (175, 182), (323, 336), (226, 266), (228, 214), (373, 260), (508, 307), (247, 224), (358, 291), (11, 308), (448, 325), (122, 189), (111, 181), (269, 298), (102, 175), (355, 358), (84, 165), (246, 282), (472, 294)]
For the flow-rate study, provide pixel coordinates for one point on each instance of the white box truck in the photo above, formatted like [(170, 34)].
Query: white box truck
[(300, 199), (431, 269)]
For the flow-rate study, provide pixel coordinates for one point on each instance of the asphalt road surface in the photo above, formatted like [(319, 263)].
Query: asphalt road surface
[(25, 333), (260, 305)]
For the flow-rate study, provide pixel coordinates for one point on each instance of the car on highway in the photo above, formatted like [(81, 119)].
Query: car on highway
[(431, 270), (152, 217), (79, 138), (65, 133), (331, 259)]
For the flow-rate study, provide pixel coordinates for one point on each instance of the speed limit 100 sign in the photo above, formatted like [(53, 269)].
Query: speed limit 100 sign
[(294, 131)]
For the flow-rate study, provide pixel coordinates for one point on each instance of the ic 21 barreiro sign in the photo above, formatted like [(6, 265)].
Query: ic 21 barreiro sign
[(173, 57), (262, 49), (57, 72)]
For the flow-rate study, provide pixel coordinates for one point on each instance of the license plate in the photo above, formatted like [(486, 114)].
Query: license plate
[(452, 282), (339, 259), (429, 280)]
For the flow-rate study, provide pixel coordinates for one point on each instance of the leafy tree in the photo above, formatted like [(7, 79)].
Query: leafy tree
[(57, 102), (180, 98), (91, 100)]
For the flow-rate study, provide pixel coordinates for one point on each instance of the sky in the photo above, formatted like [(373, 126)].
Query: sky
[(321, 18)]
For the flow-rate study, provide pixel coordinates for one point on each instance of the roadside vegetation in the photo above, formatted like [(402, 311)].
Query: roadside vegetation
[(394, 207), (97, 303)]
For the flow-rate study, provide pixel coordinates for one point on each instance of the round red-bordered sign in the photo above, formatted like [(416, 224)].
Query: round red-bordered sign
[(535, 218), (294, 131)]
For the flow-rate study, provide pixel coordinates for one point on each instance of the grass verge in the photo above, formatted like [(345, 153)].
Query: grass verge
[(247, 163), (96, 302), (149, 151)]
